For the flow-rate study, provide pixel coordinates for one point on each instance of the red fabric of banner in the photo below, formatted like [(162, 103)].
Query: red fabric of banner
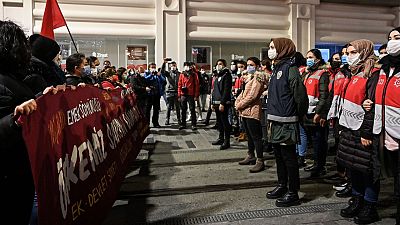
[(80, 145)]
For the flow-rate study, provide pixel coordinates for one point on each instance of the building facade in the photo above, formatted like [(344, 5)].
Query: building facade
[(135, 32)]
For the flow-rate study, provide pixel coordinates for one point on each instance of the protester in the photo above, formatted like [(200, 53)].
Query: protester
[(316, 80), (188, 93), (248, 105), (43, 71), (154, 87), (357, 152), (204, 90), (382, 51), (239, 131), (287, 104), (76, 69), (222, 101), (172, 77), (140, 89)]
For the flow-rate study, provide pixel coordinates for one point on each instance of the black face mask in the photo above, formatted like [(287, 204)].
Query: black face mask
[(335, 64)]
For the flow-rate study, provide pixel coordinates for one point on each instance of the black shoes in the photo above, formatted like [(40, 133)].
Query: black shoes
[(301, 161), (156, 125), (182, 127), (194, 127), (278, 192), (368, 214), (317, 172), (225, 145), (290, 199), (218, 142), (353, 208), (345, 193)]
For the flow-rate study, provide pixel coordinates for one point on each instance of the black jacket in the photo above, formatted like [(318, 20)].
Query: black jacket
[(74, 80), (222, 91), (138, 83), (16, 181)]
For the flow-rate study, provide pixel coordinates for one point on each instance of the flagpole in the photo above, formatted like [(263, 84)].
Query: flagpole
[(69, 32)]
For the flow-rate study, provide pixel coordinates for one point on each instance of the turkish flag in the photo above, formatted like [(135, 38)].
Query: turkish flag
[(52, 19)]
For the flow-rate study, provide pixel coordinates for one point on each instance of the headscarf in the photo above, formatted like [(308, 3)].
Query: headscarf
[(285, 48), (367, 56)]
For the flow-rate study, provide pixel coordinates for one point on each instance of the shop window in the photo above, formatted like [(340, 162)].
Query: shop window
[(201, 56), (136, 56)]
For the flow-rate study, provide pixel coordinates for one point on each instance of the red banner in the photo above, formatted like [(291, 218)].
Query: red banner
[(80, 144)]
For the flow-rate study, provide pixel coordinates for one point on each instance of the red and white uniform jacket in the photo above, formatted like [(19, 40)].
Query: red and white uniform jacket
[(338, 83), (352, 115), (311, 82), (387, 104)]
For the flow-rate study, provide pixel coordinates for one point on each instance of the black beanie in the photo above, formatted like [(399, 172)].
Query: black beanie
[(43, 48)]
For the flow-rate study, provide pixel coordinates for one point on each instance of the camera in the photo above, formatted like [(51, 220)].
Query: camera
[(184, 89)]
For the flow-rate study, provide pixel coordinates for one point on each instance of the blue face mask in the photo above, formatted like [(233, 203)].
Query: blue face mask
[(345, 59), (86, 71), (251, 69), (310, 62)]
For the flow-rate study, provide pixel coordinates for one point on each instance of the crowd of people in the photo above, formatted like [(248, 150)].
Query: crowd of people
[(279, 104)]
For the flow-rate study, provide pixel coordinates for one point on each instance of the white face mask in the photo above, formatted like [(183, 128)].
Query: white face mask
[(173, 68), (153, 70), (218, 67), (393, 47), (272, 53), (202, 71), (354, 59), (233, 67), (240, 70), (186, 68)]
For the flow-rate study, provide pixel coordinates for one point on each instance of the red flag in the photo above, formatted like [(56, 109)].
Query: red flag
[(52, 19)]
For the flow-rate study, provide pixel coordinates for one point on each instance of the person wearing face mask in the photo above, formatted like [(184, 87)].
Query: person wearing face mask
[(205, 83), (171, 89), (76, 69), (155, 89), (357, 152), (337, 80), (316, 80), (239, 132), (222, 101), (287, 104), (138, 83), (248, 105), (382, 51), (43, 71), (188, 93), (266, 70), (385, 105)]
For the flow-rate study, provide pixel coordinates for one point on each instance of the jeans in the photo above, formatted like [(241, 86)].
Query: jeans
[(203, 98), (320, 144), (185, 100), (173, 102), (301, 148), (254, 136), (364, 185), (287, 166)]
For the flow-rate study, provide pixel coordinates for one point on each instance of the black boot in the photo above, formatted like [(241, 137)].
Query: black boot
[(278, 192), (227, 142), (219, 141), (290, 199), (353, 208), (368, 214), (301, 161)]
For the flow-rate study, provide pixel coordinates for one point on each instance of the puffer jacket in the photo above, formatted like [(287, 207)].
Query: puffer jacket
[(248, 102)]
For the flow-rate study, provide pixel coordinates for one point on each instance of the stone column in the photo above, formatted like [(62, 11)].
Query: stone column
[(302, 28), (171, 31)]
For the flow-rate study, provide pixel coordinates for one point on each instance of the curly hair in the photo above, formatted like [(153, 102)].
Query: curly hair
[(15, 52)]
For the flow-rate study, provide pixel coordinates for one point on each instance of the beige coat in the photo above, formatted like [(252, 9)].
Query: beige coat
[(248, 103)]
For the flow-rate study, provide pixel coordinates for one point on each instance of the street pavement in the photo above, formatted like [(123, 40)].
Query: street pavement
[(179, 178)]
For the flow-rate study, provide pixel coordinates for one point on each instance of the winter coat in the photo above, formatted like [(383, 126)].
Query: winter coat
[(74, 80), (248, 102), (188, 84), (172, 78), (156, 82), (351, 153), (222, 88), (138, 83), (16, 182)]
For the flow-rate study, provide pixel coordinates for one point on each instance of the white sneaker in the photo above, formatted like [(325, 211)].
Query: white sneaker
[(199, 119)]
